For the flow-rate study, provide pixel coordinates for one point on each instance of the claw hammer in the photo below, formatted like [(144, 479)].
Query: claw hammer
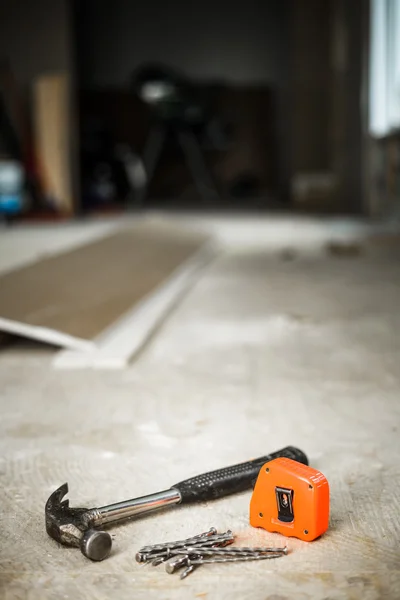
[(76, 526)]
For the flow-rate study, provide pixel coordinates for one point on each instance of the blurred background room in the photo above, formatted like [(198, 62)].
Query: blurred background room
[(268, 108)]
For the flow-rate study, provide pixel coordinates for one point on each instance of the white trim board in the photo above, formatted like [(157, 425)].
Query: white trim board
[(46, 335), (116, 346)]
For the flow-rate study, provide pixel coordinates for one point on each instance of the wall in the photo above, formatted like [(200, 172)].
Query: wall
[(35, 36), (310, 84), (350, 20), (36, 39), (327, 52), (215, 38)]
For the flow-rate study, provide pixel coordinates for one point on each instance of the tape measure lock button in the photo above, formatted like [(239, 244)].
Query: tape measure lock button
[(284, 501)]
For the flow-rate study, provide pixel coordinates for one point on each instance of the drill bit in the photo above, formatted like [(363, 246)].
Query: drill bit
[(195, 563), (227, 551), (145, 553), (158, 557), (147, 549)]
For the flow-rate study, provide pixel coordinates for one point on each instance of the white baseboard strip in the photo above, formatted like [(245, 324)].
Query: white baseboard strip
[(48, 336)]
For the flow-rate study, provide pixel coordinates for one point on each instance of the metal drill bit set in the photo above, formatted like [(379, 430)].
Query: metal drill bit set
[(205, 548)]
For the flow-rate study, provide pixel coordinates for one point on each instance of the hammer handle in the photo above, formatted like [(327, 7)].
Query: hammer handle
[(208, 486), (230, 480)]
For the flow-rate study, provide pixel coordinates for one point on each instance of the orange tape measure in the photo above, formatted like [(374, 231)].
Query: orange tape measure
[(291, 499)]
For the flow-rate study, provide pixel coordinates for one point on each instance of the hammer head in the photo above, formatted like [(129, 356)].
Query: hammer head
[(66, 525), (72, 526)]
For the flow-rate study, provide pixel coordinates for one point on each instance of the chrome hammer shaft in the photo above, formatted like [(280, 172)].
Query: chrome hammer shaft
[(136, 506)]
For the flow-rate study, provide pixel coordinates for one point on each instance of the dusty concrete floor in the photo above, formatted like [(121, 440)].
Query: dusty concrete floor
[(263, 352)]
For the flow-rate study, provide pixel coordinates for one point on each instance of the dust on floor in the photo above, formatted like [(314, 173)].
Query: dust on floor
[(263, 352)]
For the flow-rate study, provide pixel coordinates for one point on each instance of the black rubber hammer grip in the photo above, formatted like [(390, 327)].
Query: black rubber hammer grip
[(231, 480)]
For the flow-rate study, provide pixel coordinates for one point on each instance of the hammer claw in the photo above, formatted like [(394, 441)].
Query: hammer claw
[(72, 526)]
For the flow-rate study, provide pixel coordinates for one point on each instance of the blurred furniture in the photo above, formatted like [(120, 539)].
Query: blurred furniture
[(178, 110), (251, 153)]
